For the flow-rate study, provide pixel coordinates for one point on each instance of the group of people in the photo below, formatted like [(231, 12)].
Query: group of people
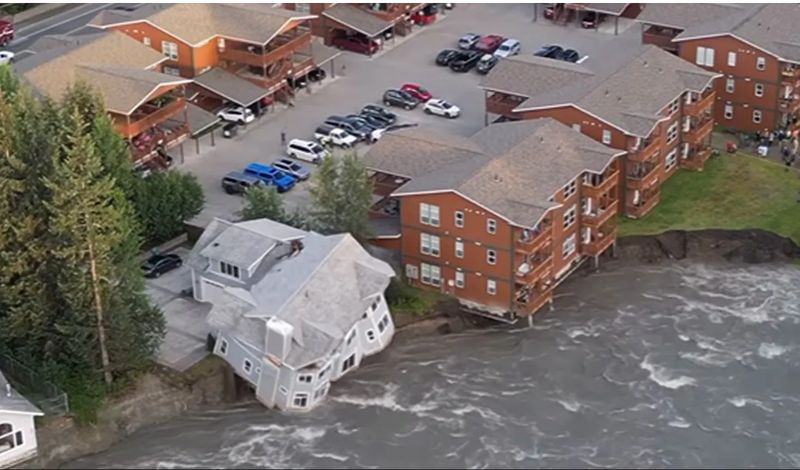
[(786, 139)]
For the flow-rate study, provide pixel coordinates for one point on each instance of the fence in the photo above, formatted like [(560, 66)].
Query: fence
[(49, 398)]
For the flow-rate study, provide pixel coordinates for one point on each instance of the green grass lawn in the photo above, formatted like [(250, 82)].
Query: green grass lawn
[(733, 191)]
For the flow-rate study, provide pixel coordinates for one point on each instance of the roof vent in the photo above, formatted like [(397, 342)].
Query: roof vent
[(541, 139), (215, 244), (644, 64), (606, 92)]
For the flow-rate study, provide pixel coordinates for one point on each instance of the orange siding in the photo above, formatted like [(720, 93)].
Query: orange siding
[(142, 30), (590, 126)]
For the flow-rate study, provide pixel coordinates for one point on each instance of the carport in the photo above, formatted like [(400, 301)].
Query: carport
[(201, 123), (617, 10), (225, 86), (322, 54), (351, 19)]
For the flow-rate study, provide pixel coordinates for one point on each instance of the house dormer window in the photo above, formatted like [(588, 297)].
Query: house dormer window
[(229, 269)]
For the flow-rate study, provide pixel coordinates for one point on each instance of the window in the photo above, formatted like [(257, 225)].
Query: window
[(306, 379), (247, 366), (761, 63), (729, 85), (672, 132), (570, 188), (460, 279), (6, 436), (324, 371), (223, 347), (569, 216), (491, 226), (757, 116), (705, 56), (220, 43), (146, 41), (383, 323), (459, 219), (349, 362), (568, 247), (491, 286), (374, 305), (283, 390), (459, 249), (606, 137), (370, 335), (229, 269), (728, 111), (174, 71), (412, 271), (350, 336), (429, 244), (302, 7), (731, 59), (300, 400), (429, 214), (576, 127), (672, 159), (170, 49), (759, 89), (431, 274), (673, 107), (19, 438), (491, 256)]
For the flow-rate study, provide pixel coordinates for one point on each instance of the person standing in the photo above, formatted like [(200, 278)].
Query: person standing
[(283, 137)]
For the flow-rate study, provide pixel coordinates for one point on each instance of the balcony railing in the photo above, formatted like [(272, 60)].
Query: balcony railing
[(598, 244), (599, 216), (393, 11), (534, 239), (697, 158), (500, 103), (790, 72), (641, 174), (262, 59), (609, 181), (160, 138), (661, 37), (699, 106), (646, 149), (698, 131), (648, 202), (531, 302), (786, 103), (148, 116), (534, 269)]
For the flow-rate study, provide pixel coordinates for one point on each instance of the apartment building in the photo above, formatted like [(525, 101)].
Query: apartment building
[(651, 104), (496, 220), (368, 19), (754, 47), (148, 107), (237, 53)]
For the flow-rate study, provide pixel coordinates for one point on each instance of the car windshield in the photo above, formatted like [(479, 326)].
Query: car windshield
[(445, 104), (505, 47), (295, 167), (316, 148)]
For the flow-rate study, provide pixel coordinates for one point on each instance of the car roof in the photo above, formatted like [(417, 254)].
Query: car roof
[(301, 141), (259, 167), (241, 176), (510, 42)]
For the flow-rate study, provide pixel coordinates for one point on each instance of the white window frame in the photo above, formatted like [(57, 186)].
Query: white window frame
[(570, 188), (491, 287), (491, 256), (302, 7), (576, 127), (229, 270), (300, 396), (757, 116), (428, 214), (223, 347), (728, 111), (221, 43), (459, 219), (305, 378), (146, 41), (460, 279), (412, 271), (370, 335), (761, 63), (671, 159), (705, 56), (491, 226), (674, 106), (758, 89), (606, 136), (432, 272), (459, 249), (350, 336), (430, 244), (169, 49), (247, 366), (730, 85), (383, 323), (731, 59), (568, 247), (672, 132), (569, 216)]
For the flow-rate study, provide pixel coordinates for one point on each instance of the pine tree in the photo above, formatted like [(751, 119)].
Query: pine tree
[(164, 201), (263, 202), (342, 195)]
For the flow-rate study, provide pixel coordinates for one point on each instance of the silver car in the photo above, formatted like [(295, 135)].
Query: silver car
[(468, 41), (291, 167)]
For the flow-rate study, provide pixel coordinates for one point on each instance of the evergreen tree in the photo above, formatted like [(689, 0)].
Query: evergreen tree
[(263, 202), (164, 201), (342, 195)]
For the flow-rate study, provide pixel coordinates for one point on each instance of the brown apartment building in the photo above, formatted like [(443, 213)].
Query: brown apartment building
[(652, 105), (754, 47), (498, 219), (148, 107), (237, 53)]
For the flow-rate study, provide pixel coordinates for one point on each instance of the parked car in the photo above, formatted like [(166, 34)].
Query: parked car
[(400, 98), (468, 41), (356, 130), (592, 19), (6, 57), (360, 123), (355, 44), (550, 12), (373, 121), (427, 15), (487, 63), (270, 175), (383, 113), (551, 51), (416, 90), (489, 44), (569, 55), (292, 168), (157, 265), (331, 135), (441, 107), (306, 150), (230, 130), (508, 48), (466, 63), (237, 182), (449, 6), (317, 75), (447, 56), (237, 114)]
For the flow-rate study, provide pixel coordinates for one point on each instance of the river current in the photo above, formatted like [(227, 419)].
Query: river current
[(683, 365)]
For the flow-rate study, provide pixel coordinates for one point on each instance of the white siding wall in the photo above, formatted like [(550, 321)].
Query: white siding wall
[(17, 454)]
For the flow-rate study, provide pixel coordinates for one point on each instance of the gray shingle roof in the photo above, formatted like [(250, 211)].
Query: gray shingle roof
[(357, 19), (12, 402), (609, 8), (231, 87), (516, 75), (684, 15), (520, 165)]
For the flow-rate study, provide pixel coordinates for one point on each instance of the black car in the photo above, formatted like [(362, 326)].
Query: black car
[(551, 51), (569, 55), (317, 74), (230, 130), (446, 56), (487, 63), (467, 62), (374, 121), (350, 127), (157, 265), (360, 123), (399, 98), (383, 113)]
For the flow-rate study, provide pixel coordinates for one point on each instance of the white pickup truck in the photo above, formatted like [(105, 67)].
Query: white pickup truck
[(334, 136)]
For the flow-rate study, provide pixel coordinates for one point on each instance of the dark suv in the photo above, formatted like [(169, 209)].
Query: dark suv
[(358, 131), (399, 98), (467, 62), (375, 110)]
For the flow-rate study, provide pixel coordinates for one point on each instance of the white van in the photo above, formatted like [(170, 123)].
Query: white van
[(306, 150), (508, 48)]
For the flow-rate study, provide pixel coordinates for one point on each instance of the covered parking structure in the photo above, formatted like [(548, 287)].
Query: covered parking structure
[(347, 19), (201, 123), (565, 12), (216, 87)]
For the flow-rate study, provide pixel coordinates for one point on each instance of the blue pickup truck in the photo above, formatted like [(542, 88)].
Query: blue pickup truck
[(271, 175)]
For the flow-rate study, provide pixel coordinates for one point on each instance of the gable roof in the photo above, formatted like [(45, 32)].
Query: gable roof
[(12, 402), (684, 15), (614, 9), (624, 98), (357, 19), (111, 61), (231, 87), (195, 23), (517, 168)]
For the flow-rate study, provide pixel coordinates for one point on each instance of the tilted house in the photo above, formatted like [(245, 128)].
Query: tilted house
[(17, 429), (292, 310)]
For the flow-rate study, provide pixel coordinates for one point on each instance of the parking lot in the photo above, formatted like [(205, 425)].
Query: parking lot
[(363, 80)]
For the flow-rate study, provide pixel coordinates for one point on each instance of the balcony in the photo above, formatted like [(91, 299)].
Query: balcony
[(790, 72), (661, 37), (610, 180), (600, 215), (649, 200), (642, 174), (147, 145), (252, 55), (272, 82), (532, 240), (500, 103), (391, 11), (530, 299), (697, 158), (534, 268), (787, 103), (147, 116), (600, 241), (646, 149), (698, 131), (698, 107)]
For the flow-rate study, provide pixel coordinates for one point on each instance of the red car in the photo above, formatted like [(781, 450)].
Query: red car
[(6, 30), (425, 16), (415, 90), (355, 44), (488, 44)]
